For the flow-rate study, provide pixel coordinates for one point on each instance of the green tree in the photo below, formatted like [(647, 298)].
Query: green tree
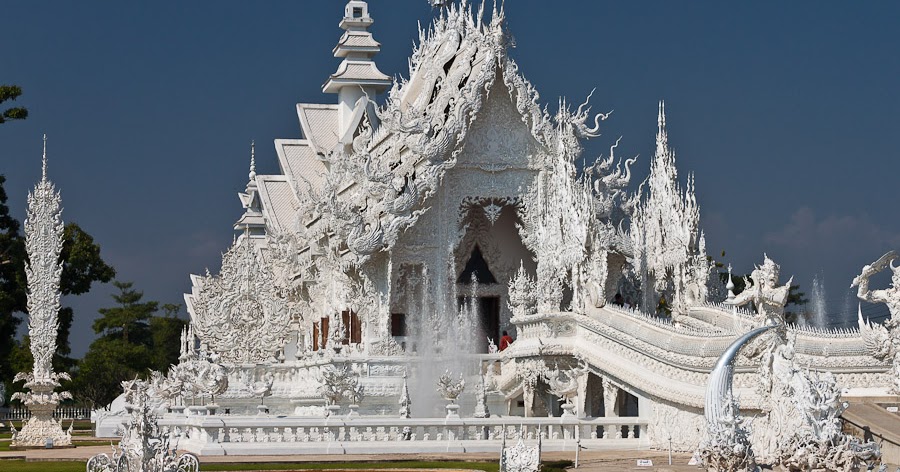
[(12, 284), (8, 93), (130, 318), (166, 332), (131, 341)]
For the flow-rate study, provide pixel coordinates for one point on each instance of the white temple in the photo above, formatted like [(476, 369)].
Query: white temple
[(399, 241)]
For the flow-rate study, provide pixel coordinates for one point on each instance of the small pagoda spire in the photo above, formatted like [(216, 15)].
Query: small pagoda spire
[(252, 174), (44, 161), (357, 77), (662, 138), (661, 120), (252, 217)]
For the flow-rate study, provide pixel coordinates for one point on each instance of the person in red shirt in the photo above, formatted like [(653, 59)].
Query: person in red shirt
[(505, 340)]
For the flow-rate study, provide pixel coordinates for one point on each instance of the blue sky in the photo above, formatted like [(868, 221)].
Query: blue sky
[(787, 113)]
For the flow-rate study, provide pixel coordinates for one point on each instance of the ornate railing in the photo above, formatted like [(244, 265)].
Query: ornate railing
[(254, 435), (62, 413)]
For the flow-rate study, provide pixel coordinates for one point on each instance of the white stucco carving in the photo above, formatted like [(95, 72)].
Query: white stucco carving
[(363, 250), (763, 291), (43, 243), (669, 247), (882, 341), (143, 447)]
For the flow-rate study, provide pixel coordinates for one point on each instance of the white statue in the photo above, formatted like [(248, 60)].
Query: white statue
[(481, 408), (882, 342), (889, 296), (492, 346), (262, 389), (563, 383), (405, 401), (764, 292)]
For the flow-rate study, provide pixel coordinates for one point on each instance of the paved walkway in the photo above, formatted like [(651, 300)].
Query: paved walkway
[(588, 460)]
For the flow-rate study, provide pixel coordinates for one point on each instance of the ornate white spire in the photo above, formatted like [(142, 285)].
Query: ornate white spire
[(43, 243), (357, 77), (665, 230), (44, 161), (252, 174)]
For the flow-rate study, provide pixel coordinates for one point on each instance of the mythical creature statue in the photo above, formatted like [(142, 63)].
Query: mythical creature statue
[(763, 291), (563, 383), (889, 296), (882, 341), (263, 387)]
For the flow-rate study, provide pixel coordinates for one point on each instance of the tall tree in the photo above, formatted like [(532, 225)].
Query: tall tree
[(12, 283), (166, 332), (130, 318), (131, 341), (8, 93)]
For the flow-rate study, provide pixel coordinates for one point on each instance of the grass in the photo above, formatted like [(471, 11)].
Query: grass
[(74, 466), (4, 444), (22, 466)]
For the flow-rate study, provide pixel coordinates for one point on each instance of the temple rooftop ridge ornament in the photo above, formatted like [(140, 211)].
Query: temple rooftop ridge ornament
[(43, 243)]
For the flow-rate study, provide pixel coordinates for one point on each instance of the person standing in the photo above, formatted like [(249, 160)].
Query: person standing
[(505, 340)]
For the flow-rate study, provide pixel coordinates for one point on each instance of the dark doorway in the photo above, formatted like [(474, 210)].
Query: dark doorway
[(478, 267)]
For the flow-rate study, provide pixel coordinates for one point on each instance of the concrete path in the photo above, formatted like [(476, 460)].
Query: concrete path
[(589, 461)]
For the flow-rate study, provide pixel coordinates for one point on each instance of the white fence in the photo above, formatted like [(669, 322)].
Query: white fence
[(255, 435), (62, 413)]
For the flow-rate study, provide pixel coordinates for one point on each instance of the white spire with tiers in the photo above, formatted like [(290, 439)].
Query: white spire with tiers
[(670, 249), (43, 243), (252, 221), (357, 77)]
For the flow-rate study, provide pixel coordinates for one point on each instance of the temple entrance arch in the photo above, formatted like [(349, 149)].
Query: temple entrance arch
[(488, 253)]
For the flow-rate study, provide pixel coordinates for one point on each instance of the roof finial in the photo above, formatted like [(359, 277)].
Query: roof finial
[(252, 174), (44, 160), (662, 116)]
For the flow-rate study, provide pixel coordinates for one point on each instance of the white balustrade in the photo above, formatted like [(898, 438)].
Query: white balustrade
[(254, 435), (61, 413)]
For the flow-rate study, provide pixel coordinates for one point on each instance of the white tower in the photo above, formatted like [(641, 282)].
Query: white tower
[(357, 76), (43, 241)]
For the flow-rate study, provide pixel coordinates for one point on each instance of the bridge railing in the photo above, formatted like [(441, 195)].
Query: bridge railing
[(215, 435)]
